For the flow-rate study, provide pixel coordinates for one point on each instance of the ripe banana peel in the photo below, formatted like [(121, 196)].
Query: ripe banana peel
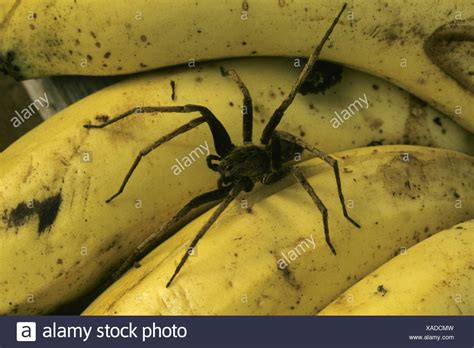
[(59, 239), (266, 254), (421, 46), (434, 277)]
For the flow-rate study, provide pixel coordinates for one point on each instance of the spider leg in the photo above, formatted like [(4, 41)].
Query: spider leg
[(277, 158), (278, 113), (193, 123), (220, 209), (322, 208), (153, 239), (247, 103), (275, 176), (276, 152), (326, 158), (212, 166), (222, 141)]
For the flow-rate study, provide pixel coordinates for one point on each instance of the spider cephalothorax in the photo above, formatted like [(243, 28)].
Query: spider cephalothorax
[(249, 161), (240, 167)]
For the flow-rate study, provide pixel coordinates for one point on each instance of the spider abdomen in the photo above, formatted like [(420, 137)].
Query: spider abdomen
[(249, 161)]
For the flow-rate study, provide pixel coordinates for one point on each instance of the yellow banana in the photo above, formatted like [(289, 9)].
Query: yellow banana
[(419, 45), (434, 277), (74, 169), (267, 253), (391, 117)]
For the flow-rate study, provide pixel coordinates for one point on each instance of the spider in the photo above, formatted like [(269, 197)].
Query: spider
[(239, 167)]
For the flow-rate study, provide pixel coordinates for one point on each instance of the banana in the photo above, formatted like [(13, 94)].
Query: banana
[(419, 45), (266, 254), (434, 277), (64, 173), (60, 162)]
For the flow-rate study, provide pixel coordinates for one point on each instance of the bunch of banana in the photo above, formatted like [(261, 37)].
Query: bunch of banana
[(419, 45), (59, 239), (434, 277), (267, 253)]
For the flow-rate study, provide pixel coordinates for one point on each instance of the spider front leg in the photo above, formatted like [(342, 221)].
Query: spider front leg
[(222, 141), (326, 158), (280, 111)]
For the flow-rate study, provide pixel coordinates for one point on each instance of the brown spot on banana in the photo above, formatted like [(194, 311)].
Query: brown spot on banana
[(416, 124), (444, 40), (322, 77), (381, 290), (397, 172), (289, 277), (173, 90), (47, 211), (7, 65)]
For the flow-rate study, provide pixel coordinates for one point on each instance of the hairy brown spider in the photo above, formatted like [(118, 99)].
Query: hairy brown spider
[(239, 167)]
